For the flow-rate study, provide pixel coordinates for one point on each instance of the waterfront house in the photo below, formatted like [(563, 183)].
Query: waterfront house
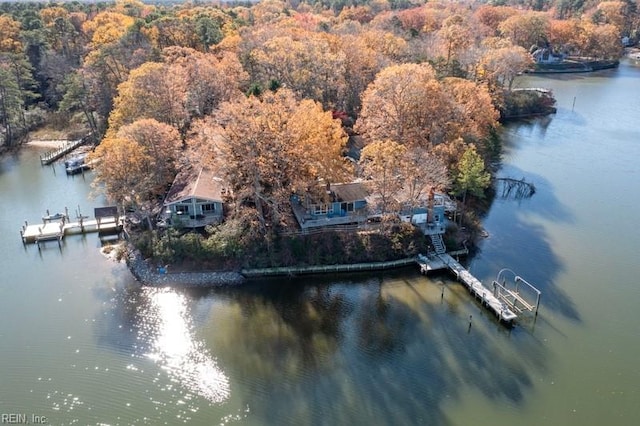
[(343, 204), (194, 200), (430, 215), (546, 55)]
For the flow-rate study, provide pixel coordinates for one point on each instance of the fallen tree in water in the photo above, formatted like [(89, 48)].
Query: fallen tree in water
[(514, 189)]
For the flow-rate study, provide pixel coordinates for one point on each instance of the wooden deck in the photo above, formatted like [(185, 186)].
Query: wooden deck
[(56, 230), (475, 287)]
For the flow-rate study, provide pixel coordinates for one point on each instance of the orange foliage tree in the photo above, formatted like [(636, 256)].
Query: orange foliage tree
[(137, 163), (406, 104), (271, 146)]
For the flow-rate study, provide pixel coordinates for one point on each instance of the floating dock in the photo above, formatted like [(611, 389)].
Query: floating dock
[(55, 227), (475, 287)]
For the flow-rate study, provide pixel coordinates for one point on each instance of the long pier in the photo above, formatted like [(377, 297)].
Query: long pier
[(52, 156), (486, 296)]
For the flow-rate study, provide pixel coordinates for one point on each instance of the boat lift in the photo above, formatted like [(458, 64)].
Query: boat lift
[(519, 297)]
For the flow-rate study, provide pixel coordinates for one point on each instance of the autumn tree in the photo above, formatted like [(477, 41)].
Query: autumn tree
[(136, 164), (614, 13), (319, 144), (423, 172), (117, 45), (502, 62), (162, 146), (61, 33), (565, 35), (271, 146), (456, 36), (210, 79), (151, 91), (600, 41), (406, 104), (190, 84), (493, 16), (122, 164), (476, 115), (382, 165), (526, 29), (306, 63), (362, 63)]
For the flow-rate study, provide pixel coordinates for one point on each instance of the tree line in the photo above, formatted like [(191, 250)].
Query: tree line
[(271, 93)]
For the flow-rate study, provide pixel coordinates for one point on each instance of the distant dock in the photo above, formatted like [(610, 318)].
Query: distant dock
[(55, 227), (502, 301), (55, 154)]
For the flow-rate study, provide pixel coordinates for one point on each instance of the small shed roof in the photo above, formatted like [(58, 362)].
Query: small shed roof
[(102, 212), (202, 183), (348, 192)]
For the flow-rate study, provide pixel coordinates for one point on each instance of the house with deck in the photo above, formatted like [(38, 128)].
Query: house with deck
[(343, 204), (430, 215), (195, 200)]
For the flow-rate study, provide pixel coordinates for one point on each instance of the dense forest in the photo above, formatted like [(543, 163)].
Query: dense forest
[(271, 94)]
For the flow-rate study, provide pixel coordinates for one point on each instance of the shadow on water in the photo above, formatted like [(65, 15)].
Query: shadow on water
[(9, 161), (387, 349), (523, 245), (379, 350), (544, 202)]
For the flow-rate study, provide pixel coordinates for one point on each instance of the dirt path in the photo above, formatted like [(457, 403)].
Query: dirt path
[(53, 144)]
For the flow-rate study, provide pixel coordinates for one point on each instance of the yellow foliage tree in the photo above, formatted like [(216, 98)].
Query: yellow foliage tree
[(9, 35), (107, 27), (153, 90), (121, 164), (137, 164)]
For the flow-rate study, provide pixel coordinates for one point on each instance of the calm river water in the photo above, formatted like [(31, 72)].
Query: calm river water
[(82, 343)]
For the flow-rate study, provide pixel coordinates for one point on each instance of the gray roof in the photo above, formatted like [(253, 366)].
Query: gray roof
[(348, 192), (203, 184)]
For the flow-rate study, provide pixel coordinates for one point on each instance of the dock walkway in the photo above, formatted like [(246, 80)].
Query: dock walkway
[(475, 287), (51, 230), (52, 156)]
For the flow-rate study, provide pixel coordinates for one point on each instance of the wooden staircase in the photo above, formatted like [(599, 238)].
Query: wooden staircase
[(438, 243)]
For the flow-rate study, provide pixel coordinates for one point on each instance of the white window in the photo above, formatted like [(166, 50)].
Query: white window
[(320, 209)]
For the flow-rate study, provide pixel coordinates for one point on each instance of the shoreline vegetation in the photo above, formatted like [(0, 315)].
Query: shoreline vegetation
[(573, 66), (283, 100)]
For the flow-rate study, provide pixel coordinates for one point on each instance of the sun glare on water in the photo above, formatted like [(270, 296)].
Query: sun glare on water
[(177, 351)]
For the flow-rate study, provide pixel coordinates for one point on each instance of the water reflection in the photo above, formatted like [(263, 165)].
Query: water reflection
[(156, 324), (168, 328), (382, 350)]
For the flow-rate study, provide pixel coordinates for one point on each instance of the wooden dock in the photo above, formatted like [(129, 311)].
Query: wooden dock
[(475, 287), (52, 156), (54, 228)]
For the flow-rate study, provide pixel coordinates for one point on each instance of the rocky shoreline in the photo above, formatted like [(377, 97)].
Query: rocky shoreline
[(159, 277)]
